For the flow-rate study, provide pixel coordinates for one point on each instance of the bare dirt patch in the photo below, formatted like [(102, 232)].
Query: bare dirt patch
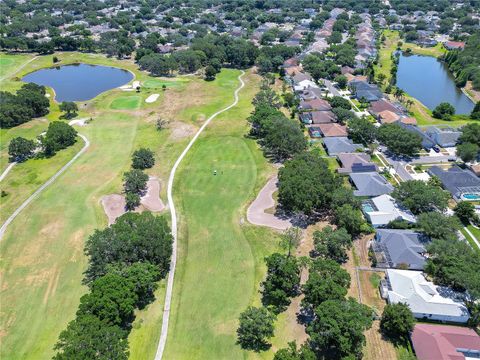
[(473, 93), (181, 130), (377, 347)]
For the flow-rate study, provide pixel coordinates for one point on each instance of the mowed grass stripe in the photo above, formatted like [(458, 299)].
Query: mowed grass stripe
[(220, 260)]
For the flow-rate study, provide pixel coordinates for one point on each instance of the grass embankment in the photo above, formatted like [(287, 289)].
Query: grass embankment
[(220, 257), (42, 250), (417, 110)]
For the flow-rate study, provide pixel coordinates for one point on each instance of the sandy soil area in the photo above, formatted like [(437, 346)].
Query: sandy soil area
[(114, 206), (256, 212)]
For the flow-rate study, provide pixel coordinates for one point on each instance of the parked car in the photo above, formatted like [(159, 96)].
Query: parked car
[(436, 149)]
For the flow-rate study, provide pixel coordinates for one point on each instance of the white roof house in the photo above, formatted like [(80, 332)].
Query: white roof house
[(304, 85), (382, 209), (425, 299)]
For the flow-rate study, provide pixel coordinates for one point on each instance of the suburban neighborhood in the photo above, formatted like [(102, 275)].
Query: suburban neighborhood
[(194, 179)]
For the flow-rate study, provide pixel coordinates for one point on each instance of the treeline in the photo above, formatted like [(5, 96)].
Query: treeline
[(213, 51), (279, 136), (465, 64), (27, 103), (126, 261)]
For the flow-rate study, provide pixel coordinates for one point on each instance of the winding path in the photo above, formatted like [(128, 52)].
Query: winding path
[(43, 187), (171, 275), (7, 170)]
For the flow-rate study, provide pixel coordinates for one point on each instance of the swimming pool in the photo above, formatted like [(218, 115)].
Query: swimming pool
[(367, 208), (471, 197)]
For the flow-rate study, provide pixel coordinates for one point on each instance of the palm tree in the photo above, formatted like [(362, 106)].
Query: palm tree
[(399, 93)]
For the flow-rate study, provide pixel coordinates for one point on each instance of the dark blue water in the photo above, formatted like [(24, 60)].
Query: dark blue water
[(79, 82), (429, 80)]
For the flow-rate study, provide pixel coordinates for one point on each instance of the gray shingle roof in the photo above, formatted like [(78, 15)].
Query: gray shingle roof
[(370, 184), (402, 247), (337, 145), (457, 181)]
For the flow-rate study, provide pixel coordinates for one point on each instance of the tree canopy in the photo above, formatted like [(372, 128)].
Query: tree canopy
[(419, 196), (332, 244), (256, 327), (397, 321), (398, 140), (143, 158)]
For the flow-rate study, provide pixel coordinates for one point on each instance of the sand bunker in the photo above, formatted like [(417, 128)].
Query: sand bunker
[(256, 212), (114, 204), (151, 200), (132, 87), (152, 98), (79, 122)]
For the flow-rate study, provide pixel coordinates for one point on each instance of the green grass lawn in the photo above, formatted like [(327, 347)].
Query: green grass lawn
[(220, 260), (158, 83), (42, 250), (126, 102)]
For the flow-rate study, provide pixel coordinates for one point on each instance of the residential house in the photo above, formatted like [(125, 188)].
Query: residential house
[(426, 300), (427, 142), (355, 162), (388, 117), (444, 137), (445, 342), (376, 107), (370, 184), (380, 210), (462, 184), (337, 145), (317, 117), (333, 130), (315, 105), (401, 249), (454, 45), (364, 90)]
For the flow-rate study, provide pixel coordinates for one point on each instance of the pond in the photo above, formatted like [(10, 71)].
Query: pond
[(429, 80), (79, 82)]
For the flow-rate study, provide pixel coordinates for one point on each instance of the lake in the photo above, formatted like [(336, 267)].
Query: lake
[(429, 80), (79, 82)]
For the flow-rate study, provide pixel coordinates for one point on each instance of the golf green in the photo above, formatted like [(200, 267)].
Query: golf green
[(126, 103)]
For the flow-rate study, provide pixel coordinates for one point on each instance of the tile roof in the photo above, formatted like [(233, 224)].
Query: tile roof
[(333, 129), (443, 342), (388, 117)]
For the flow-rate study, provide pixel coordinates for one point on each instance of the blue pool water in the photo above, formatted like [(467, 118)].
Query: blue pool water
[(471, 196), (368, 208)]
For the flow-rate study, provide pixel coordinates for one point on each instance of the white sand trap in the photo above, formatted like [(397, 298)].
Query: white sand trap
[(132, 87), (114, 206), (256, 212), (151, 200), (152, 98), (79, 122), (135, 84)]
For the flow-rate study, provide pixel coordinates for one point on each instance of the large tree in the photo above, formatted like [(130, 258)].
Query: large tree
[(438, 226), (292, 353), (443, 111), (468, 151), (112, 299), (135, 181), (255, 328), (69, 108), (306, 184), (419, 196), (397, 321), (20, 149), (88, 337), (59, 136), (327, 280), (332, 244), (361, 130), (399, 141), (338, 327), (282, 281), (284, 139), (143, 158), (133, 238)]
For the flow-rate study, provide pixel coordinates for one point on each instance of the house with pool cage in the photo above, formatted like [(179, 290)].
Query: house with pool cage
[(464, 185)]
